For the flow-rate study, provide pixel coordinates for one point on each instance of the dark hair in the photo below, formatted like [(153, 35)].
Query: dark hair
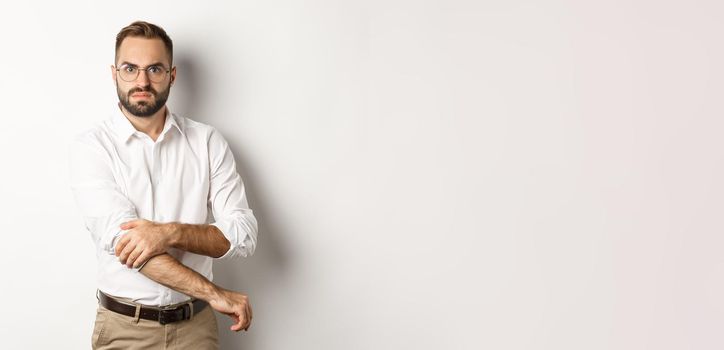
[(148, 31)]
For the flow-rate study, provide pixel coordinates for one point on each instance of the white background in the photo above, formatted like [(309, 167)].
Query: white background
[(426, 174)]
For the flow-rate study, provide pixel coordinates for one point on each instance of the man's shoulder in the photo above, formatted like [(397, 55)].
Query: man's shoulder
[(187, 122), (196, 127), (95, 135)]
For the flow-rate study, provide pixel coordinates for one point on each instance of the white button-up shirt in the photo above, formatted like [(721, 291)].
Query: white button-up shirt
[(187, 175)]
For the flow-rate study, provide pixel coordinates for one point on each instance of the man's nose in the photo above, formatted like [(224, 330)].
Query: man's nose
[(142, 79)]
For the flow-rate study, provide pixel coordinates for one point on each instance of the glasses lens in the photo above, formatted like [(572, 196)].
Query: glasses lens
[(156, 74), (128, 73)]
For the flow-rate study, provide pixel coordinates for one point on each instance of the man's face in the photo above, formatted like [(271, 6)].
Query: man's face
[(143, 96)]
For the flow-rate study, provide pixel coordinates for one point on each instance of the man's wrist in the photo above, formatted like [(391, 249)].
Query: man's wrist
[(174, 233), (211, 292)]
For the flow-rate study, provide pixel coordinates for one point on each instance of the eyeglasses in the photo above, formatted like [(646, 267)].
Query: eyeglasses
[(129, 72)]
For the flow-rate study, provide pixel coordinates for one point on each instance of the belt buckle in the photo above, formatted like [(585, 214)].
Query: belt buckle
[(162, 318), (166, 316)]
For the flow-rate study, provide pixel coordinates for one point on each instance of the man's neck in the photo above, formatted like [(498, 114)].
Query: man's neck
[(151, 126)]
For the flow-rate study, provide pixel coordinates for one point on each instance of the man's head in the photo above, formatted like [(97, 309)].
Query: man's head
[(143, 71)]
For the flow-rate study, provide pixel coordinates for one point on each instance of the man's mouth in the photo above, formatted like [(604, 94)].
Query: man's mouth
[(141, 94)]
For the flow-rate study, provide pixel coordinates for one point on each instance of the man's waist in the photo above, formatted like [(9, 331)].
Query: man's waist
[(164, 314), (148, 293)]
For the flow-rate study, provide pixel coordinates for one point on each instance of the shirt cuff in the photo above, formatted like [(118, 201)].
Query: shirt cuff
[(110, 247), (226, 229)]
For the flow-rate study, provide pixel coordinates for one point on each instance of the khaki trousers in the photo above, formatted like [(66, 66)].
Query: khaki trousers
[(115, 331)]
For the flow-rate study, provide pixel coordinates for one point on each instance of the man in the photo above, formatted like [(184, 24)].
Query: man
[(146, 181)]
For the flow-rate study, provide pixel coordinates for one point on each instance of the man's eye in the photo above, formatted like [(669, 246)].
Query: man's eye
[(154, 69), (129, 69)]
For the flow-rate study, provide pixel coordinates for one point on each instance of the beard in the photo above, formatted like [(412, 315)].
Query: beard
[(143, 108)]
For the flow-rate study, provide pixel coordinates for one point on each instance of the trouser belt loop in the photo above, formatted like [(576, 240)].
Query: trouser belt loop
[(191, 309), (137, 315)]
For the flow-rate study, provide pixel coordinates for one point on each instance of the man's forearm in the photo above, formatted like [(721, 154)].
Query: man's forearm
[(199, 239), (168, 271)]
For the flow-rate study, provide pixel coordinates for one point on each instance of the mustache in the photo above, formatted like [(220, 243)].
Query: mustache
[(146, 89)]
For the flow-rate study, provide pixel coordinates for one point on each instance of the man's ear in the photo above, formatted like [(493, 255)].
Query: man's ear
[(173, 75), (113, 73)]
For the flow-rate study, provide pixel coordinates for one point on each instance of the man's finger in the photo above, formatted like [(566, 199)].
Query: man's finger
[(247, 309), (141, 259), (247, 320), (129, 224), (121, 244), (237, 326), (133, 256), (126, 252), (251, 313)]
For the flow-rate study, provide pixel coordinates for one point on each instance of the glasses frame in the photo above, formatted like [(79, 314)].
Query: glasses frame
[(138, 72)]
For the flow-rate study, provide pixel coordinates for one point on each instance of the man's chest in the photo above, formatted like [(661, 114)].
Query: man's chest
[(166, 180)]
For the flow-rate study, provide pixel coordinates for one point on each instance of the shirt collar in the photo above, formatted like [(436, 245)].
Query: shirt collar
[(125, 129)]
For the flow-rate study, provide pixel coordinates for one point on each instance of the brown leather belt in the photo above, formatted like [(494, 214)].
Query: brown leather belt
[(163, 315)]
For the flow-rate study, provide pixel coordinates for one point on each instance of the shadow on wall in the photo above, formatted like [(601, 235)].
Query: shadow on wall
[(185, 91), (256, 275)]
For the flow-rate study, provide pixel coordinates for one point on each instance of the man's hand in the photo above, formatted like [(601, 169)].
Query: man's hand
[(234, 305), (144, 240)]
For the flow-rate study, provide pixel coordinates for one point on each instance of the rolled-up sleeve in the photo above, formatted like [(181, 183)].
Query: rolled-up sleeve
[(227, 200), (100, 200)]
